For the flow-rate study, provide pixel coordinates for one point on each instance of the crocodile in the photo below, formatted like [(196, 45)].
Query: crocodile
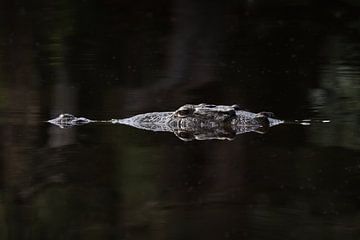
[(190, 121)]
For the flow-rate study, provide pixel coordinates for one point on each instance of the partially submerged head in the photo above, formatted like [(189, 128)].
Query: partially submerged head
[(207, 112)]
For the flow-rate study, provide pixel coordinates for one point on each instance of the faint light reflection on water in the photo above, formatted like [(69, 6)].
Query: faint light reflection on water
[(338, 94)]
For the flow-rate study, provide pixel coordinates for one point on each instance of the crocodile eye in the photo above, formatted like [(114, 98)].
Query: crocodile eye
[(184, 112), (184, 135), (236, 107)]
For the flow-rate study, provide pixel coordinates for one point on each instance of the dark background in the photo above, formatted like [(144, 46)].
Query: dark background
[(113, 59)]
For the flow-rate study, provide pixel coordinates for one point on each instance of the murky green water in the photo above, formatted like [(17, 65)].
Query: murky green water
[(109, 59)]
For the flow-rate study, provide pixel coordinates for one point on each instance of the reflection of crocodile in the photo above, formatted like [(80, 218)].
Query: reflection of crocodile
[(189, 122)]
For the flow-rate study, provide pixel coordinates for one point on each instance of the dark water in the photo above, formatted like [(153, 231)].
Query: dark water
[(112, 59)]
